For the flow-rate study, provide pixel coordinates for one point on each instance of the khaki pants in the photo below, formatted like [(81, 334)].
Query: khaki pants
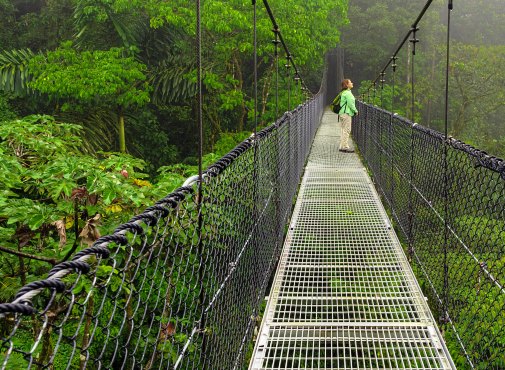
[(345, 130)]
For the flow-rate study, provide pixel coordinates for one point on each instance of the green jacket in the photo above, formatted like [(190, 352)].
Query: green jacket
[(348, 103)]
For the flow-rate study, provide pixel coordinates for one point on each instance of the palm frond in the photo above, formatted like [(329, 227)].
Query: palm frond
[(14, 72), (171, 82), (99, 129)]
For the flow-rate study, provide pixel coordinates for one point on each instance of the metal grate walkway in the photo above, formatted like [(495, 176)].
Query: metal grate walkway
[(344, 295)]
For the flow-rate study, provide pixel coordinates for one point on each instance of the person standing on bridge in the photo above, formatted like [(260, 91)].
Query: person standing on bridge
[(345, 114)]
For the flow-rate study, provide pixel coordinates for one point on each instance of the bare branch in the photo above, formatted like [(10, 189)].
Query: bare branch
[(52, 261)]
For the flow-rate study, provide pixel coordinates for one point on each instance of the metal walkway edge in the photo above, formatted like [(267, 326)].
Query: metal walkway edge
[(344, 295)]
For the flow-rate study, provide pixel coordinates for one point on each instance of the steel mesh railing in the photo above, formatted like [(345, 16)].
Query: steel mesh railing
[(173, 287), (448, 201)]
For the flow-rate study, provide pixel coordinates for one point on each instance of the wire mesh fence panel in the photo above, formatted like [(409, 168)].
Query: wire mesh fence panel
[(128, 303), (178, 286), (448, 201)]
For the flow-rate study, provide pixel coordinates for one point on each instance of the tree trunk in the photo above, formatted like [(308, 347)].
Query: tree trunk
[(215, 127), (122, 139), (47, 348), (85, 334), (430, 99), (407, 102), (22, 271), (238, 75), (266, 91), (459, 122)]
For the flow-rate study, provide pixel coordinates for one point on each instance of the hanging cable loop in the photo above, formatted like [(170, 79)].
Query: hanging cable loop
[(201, 257), (255, 43), (382, 81), (414, 40), (276, 43), (288, 75), (394, 65)]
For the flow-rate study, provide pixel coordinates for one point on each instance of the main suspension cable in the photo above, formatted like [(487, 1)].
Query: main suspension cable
[(414, 26), (288, 54)]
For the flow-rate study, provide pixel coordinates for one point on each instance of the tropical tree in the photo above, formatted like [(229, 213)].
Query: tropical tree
[(6, 26), (478, 98), (160, 35), (310, 28), (97, 77)]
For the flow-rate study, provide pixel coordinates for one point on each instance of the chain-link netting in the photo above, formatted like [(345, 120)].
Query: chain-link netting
[(448, 201), (179, 286)]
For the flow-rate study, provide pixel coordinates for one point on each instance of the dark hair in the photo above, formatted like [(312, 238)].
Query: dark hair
[(345, 84)]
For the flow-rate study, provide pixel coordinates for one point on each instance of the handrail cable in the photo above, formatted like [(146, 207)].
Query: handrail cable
[(414, 41), (276, 55)]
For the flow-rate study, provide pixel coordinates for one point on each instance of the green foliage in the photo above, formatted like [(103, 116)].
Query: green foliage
[(228, 140), (35, 24), (96, 76), (148, 141), (373, 32), (172, 81), (479, 22), (477, 99), (229, 46), (7, 25), (45, 179), (476, 78), (85, 81), (100, 77), (127, 21), (6, 112)]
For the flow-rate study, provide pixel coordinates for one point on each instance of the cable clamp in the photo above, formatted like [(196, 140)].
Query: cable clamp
[(444, 318), (253, 138), (194, 180)]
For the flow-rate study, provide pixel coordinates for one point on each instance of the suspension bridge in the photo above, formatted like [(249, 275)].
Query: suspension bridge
[(344, 296), (183, 285)]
